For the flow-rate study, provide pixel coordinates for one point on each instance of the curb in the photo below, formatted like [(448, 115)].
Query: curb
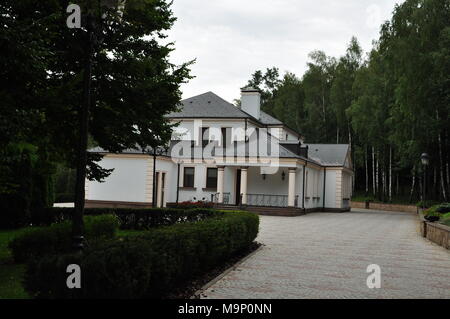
[(224, 273)]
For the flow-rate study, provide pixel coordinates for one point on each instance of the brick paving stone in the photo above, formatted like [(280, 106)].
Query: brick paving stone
[(325, 255)]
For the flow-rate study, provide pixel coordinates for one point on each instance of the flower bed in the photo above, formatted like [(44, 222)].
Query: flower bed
[(435, 224)]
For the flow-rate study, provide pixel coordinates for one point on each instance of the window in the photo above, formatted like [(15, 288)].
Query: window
[(188, 177), (211, 177)]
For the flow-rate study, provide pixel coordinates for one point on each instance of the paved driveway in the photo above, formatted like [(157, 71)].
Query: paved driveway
[(325, 255)]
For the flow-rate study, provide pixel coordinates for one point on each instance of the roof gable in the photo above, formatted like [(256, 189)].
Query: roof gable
[(207, 105)]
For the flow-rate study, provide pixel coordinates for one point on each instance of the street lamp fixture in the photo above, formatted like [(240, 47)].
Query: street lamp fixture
[(425, 158)]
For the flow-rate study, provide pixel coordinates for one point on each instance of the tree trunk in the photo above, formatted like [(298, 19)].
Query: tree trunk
[(397, 191), (447, 166), (441, 162), (367, 172), (448, 175), (421, 189), (413, 184), (434, 182), (324, 111), (390, 174), (374, 185), (77, 217), (377, 174), (350, 140)]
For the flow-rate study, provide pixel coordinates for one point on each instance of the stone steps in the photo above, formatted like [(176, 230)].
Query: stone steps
[(268, 211)]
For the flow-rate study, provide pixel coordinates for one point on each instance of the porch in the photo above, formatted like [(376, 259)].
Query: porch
[(257, 187)]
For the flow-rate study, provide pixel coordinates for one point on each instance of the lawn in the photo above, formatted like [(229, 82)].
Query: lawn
[(10, 274)]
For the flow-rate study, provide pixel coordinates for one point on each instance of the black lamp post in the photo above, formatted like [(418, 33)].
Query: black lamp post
[(90, 18), (425, 158)]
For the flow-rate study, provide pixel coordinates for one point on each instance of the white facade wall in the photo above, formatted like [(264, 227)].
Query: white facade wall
[(330, 189), (281, 134), (199, 191), (126, 183)]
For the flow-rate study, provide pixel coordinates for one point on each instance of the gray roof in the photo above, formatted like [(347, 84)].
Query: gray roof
[(207, 105), (267, 119), (321, 154), (210, 105), (328, 154), (137, 150)]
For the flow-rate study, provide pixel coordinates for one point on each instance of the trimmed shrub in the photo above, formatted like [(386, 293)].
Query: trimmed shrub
[(428, 203), (443, 208), (39, 241), (130, 218), (190, 205), (148, 265), (437, 210), (118, 268)]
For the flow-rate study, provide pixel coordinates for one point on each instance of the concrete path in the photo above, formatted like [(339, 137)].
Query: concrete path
[(325, 255)]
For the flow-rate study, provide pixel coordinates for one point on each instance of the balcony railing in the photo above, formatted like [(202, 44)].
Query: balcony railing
[(267, 200), (226, 198)]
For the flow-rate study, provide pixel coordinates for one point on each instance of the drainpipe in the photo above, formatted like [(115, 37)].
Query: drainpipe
[(154, 179), (324, 181), (245, 141), (178, 181), (303, 191)]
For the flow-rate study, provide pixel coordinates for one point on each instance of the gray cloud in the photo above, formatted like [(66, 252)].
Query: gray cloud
[(231, 39)]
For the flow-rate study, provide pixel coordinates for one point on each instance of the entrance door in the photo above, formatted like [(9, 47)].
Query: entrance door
[(238, 186)]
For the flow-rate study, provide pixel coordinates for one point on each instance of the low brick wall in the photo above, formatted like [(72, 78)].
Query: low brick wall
[(435, 232), (388, 207)]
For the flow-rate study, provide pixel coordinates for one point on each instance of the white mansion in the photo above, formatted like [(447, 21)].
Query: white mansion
[(231, 156)]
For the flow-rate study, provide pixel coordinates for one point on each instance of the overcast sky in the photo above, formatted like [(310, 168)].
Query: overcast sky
[(232, 38)]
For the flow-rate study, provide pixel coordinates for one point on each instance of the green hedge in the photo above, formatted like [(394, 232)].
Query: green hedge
[(148, 265), (36, 242), (130, 218)]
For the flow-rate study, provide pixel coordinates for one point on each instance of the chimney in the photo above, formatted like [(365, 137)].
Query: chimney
[(251, 102)]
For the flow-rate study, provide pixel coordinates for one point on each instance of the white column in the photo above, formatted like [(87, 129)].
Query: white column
[(220, 180), (291, 194), (243, 185), (158, 191)]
